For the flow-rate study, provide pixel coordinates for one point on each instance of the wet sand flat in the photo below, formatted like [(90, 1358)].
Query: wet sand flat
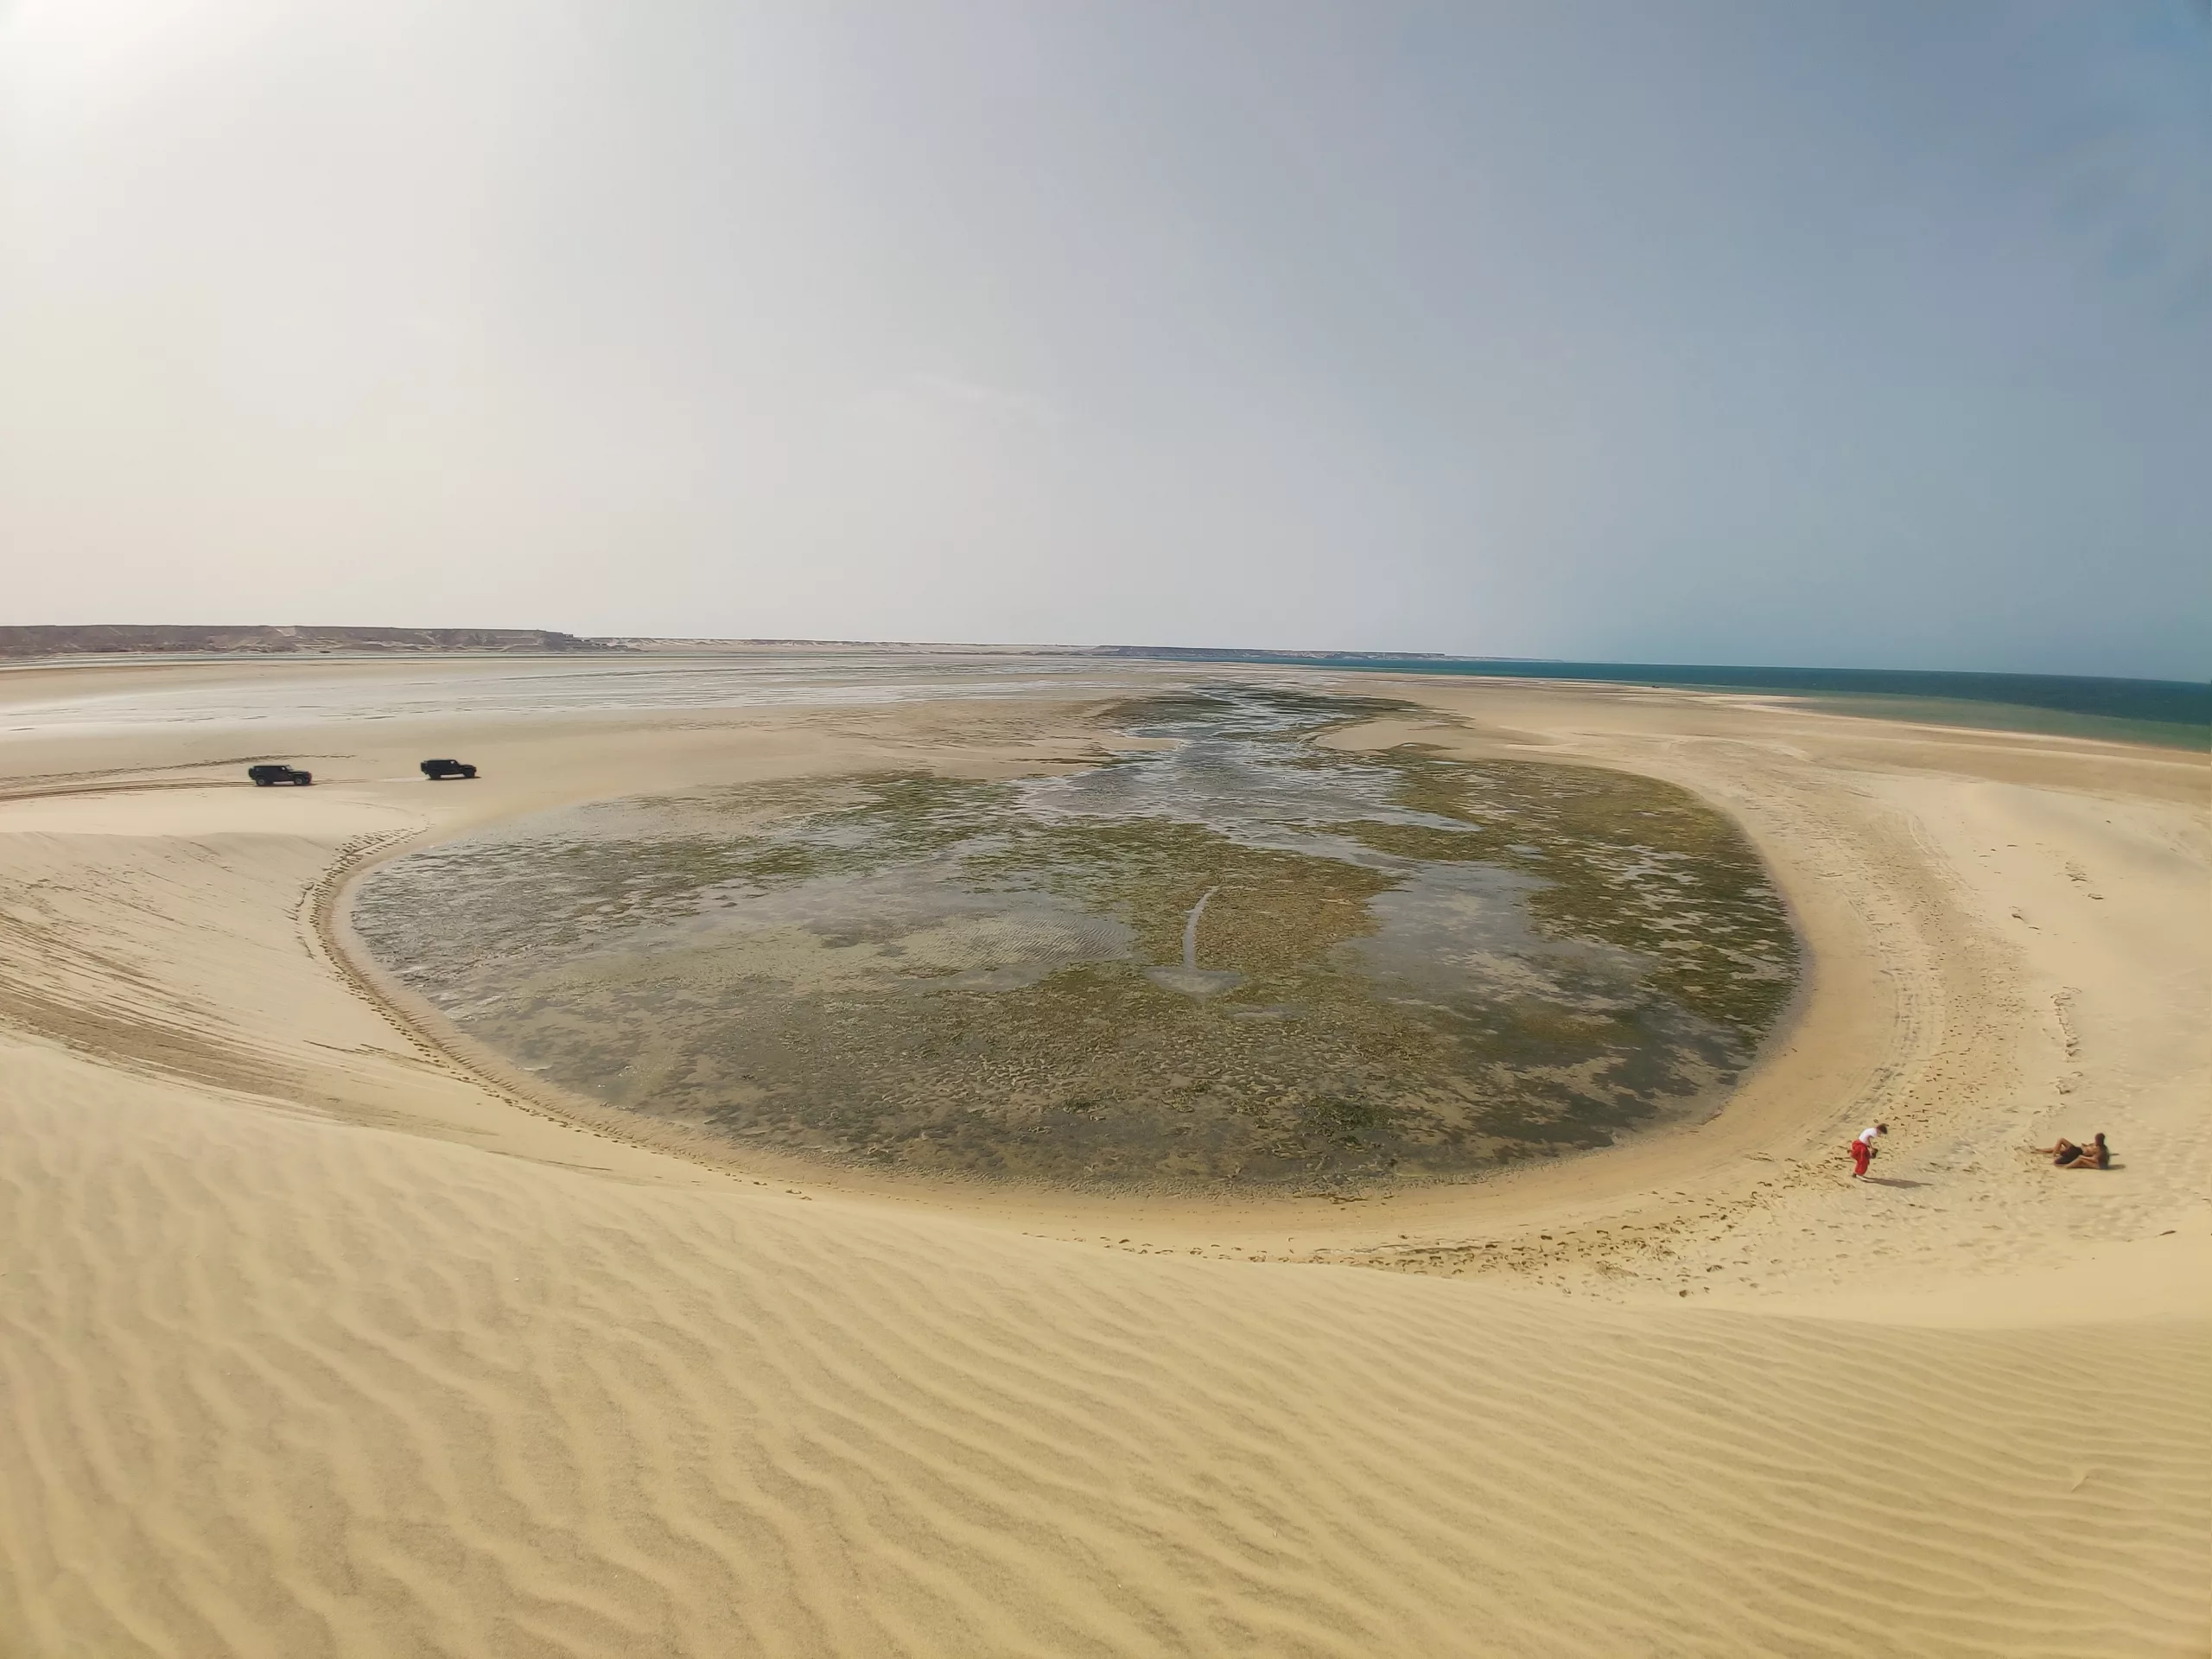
[(1243, 962), (320, 1338)]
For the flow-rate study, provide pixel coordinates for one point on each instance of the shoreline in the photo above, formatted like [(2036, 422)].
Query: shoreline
[(1562, 1221), (1136, 1204), (1850, 970)]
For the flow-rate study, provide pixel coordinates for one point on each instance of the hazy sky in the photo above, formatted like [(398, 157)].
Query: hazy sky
[(1862, 334)]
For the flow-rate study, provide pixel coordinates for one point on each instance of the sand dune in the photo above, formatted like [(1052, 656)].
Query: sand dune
[(313, 1342)]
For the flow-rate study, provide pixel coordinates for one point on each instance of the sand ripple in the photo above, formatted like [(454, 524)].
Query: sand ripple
[(289, 1387)]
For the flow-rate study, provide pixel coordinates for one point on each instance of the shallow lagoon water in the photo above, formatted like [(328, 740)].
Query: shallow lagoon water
[(1243, 960), (589, 685)]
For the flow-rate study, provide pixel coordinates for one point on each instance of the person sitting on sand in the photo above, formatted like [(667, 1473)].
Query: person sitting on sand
[(2096, 1155), (2066, 1155)]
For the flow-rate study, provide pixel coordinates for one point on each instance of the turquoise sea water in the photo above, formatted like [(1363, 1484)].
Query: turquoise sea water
[(2177, 712)]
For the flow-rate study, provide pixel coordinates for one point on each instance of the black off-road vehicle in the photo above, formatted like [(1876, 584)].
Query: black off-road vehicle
[(435, 770), (264, 776)]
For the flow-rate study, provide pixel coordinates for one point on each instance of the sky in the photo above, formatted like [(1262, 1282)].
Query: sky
[(1863, 333)]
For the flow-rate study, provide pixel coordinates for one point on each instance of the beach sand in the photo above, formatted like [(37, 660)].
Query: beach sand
[(316, 1337)]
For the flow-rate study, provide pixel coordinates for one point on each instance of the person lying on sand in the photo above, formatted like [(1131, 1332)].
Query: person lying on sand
[(2066, 1155)]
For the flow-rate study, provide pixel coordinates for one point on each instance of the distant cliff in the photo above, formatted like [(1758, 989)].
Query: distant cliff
[(126, 637)]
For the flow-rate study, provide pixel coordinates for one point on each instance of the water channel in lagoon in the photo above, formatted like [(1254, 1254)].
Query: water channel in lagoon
[(1244, 960)]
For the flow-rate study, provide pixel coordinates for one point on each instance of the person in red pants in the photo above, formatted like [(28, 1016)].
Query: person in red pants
[(1862, 1149)]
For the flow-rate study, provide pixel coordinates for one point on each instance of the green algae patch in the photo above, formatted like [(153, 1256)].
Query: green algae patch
[(1242, 961), (1630, 860), (1271, 906)]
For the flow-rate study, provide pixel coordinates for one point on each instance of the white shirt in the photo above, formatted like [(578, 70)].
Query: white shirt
[(1868, 1136)]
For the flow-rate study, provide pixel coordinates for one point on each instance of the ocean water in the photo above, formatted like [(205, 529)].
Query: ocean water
[(2176, 711)]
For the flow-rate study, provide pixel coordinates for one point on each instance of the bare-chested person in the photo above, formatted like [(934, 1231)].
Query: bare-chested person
[(2066, 1155)]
